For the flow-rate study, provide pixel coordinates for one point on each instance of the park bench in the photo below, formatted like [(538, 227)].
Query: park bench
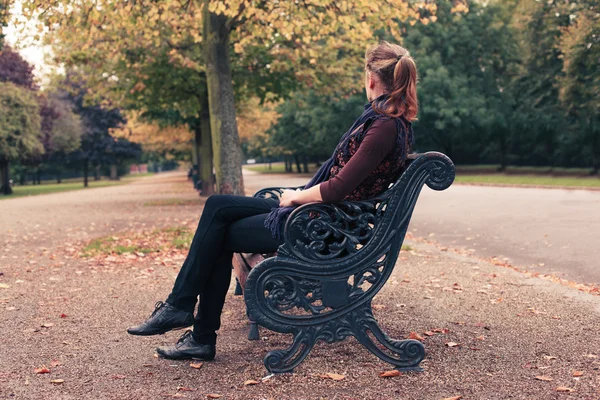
[(335, 258)]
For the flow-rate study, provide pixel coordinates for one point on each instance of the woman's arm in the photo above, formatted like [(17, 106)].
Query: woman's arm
[(379, 140)]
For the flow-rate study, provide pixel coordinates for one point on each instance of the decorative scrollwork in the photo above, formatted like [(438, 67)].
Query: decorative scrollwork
[(289, 292)]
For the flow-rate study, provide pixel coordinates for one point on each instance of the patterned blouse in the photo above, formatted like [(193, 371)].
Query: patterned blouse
[(369, 167)]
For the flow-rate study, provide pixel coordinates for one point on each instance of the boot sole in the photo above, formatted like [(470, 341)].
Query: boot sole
[(158, 332)]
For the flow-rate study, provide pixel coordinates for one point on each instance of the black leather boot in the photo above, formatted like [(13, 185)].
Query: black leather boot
[(164, 318), (186, 348)]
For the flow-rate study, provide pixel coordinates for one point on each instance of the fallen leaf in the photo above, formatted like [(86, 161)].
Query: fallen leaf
[(440, 330), (577, 373), (47, 324), (196, 366), (428, 333), (453, 398), (378, 306), (176, 395), (57, 381), (390, 374), (543, 378), (330, 375), (451, 344), (185, 389), (564, 389), (250, 382), (213, 396), (416, 336), (480, 337), (4, 286), (550, 358), (43, 370)]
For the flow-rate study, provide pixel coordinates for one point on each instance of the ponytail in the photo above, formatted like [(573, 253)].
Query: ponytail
[(398, 72)]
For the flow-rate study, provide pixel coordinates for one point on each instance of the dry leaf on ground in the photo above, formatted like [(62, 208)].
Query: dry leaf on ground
[(428, 333), (57, 381), (196, 365), (390, 374), (250, 382), (550, 358), (451, 344), (213, 396), (43, 370), (185, 389), (416, 336), (577, 373), (543, 378), (335, 377), (453, 398), (564, 389)]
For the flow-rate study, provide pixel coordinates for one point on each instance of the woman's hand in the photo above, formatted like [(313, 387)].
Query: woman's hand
[(288, 198)]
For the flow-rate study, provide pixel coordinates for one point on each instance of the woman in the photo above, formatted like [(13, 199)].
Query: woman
[(366, 160)]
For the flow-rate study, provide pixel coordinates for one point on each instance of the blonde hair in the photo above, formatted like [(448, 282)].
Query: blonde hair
[(397, 70)]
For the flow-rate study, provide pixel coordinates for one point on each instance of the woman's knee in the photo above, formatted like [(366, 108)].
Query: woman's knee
[(218, 201)]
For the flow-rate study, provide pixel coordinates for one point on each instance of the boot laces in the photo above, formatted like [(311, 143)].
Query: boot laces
[(157, 306), (184, 338)]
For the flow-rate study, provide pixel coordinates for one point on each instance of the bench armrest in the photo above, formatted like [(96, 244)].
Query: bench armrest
[(274, 192)]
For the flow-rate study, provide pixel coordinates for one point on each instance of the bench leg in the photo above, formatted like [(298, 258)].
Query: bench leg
[(254, 333), (279, 361), (238, 288), (404, 354)]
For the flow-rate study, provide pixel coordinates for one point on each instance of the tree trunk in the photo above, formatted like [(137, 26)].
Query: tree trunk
[(58, 177), (38, 177), (114, 176), (85, 173), (223, 126), (298, 167), (4, 178), (97, 173), (305, 158), (206, 150)]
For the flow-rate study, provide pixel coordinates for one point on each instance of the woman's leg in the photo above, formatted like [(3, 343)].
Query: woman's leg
[(205, 251), (247, 235), (244, 235)]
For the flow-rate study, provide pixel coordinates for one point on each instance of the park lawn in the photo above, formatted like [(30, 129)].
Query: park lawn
[(463, 176), (34, 190), (529, 180), (277, 168)]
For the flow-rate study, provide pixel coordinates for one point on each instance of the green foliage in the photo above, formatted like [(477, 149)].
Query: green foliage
[(19, 123)]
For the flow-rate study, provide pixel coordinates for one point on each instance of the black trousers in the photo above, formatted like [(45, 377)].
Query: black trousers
[(229, 224)]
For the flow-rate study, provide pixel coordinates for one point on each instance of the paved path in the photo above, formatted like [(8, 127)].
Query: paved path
[(544, 230), (70, 314)]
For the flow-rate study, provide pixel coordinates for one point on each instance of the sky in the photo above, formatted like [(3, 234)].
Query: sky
[(19, 35)]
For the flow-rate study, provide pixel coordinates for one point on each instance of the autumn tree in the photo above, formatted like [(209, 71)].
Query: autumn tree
[(580, 83), (19, 128), (315, 42)]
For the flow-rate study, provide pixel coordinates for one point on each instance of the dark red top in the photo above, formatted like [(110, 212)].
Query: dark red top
[(369, 167)]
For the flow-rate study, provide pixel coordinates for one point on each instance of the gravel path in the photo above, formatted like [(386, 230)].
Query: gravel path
[(70, 315)]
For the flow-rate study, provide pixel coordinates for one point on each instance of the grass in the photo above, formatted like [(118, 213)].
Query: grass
[(35, 190), (67, 185), (145, 242), (529, 180), (277, 168), (486, 174)]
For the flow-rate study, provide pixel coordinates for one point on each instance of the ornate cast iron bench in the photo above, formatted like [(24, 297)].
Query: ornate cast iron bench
[(335, 258)]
